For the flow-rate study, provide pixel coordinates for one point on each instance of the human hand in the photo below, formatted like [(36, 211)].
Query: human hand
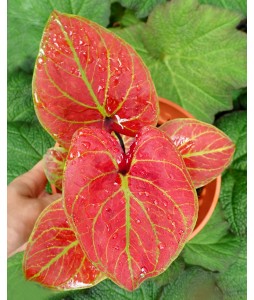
[(26, 198)]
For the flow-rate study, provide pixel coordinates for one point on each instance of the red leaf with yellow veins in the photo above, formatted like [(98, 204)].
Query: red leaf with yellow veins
[(206, 150), (53, 256), (132, 212), (86, 75), (54, 161)]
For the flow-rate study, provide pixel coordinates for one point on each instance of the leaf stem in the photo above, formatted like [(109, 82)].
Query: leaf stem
[(120, 140)]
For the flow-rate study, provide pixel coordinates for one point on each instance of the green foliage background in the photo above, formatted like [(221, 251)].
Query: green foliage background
[(197, 58)]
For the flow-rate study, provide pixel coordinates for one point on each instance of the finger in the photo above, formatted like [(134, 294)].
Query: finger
[(21, 222), (33, 182), (48, 199), (20, 249)]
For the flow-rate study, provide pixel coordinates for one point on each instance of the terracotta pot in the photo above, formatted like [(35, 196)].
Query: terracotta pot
[(209, 195)]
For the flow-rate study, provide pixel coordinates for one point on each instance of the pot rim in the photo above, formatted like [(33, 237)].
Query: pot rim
[(211, 209), (176, 106)]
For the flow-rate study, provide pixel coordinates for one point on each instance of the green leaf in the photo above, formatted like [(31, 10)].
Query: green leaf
[(20, 103), (27, 142), (128, 19), (233, 282), (195, 55), (18, 287), (213, 248), (236, 5), (235, 126), (234, 200), (213, 256), (141, 7), (216, 228), (107, 290), (27, 18), (240, 99), (234, 181), (171, 274), (116, 14), (193, 284)]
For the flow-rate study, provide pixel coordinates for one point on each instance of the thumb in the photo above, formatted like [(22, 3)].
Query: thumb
[(47, 199), (20, 249), (31, 183)]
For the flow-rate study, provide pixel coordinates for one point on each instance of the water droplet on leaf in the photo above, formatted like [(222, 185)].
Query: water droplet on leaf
[(143, 272), (100, 88), (41, 52), (86, 145), (37, 100), (101, 68), (108, 227), (161, 246), (90, 60), (117, 71)]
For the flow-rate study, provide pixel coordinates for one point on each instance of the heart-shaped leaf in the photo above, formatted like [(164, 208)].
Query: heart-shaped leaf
[(206, 150), (132, 212), (54, 161), (85, 75), (53, 256)]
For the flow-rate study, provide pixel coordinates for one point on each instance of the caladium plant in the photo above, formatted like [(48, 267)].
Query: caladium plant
[(129, 201)]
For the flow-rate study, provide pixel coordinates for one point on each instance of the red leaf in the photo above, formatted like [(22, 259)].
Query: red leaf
[(54, 161), (53, 256), (206, 150), (86, 75), (131, 226)]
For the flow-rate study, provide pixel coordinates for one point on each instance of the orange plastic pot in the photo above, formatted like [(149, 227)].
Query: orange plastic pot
[(209, 195)]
